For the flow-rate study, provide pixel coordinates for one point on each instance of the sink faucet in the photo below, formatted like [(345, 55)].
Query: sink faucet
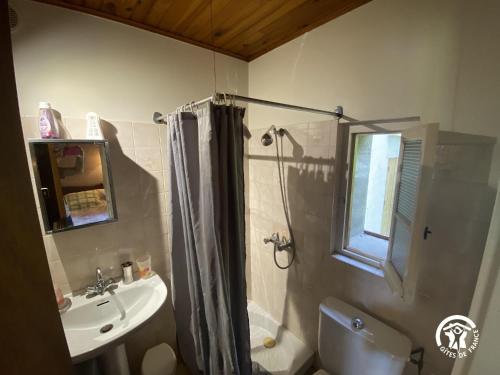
[(100, 285)]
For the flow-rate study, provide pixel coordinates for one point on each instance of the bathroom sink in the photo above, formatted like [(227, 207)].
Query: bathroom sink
[(92, 325)]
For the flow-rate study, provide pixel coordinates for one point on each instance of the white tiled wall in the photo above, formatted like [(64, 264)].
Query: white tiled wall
[(139, 171), (139, 176), (450, 259)]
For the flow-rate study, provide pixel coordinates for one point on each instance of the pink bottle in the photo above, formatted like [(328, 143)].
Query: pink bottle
[(47, 123), (59, 295)]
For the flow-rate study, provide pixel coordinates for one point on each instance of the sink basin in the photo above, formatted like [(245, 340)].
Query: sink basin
[(91, 325)]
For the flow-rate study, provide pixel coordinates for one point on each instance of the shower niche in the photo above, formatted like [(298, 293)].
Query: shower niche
[(73, 182)]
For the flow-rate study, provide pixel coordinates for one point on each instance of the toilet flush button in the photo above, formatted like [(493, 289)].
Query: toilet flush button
[(357, 323)]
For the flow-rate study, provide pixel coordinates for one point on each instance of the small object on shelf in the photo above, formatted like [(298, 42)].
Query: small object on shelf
[(144, 266), (59, 295), (93, 126), (49, 127), (127, 272), (63, 303)]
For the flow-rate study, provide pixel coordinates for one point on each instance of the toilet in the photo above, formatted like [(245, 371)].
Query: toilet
[(351, 342), (159, 360)]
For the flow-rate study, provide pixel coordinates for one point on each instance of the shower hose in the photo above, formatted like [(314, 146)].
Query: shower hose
[(281, 172)]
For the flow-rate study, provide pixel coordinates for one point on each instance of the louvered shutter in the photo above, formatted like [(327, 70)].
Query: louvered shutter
[(408, 222)]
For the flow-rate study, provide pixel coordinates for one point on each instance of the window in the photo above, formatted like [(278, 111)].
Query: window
[(371, 194), (380, 198)]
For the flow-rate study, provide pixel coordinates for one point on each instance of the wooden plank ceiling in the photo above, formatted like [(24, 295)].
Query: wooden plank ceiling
[(245, 29)]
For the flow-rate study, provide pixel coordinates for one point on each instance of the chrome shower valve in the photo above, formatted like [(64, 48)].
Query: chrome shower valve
[(279, 244)]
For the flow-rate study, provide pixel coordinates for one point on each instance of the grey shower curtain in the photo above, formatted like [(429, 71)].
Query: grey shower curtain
[(208, 239)]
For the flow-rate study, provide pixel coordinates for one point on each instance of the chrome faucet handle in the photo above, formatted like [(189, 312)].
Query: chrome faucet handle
[(279, 244), (100, 286), (91, 291), (285, 245), (98, 274), (275, 238)]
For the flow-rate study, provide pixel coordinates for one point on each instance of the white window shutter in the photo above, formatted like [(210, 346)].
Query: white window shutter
[(417, 154)]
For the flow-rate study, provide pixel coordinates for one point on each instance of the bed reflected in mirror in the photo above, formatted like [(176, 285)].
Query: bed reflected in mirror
[(73, 181)]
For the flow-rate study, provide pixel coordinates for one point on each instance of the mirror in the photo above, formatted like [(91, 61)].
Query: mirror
[(74, 184)]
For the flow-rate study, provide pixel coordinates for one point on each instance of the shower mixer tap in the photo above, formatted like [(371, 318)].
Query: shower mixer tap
[(280, 244), (274, 238)]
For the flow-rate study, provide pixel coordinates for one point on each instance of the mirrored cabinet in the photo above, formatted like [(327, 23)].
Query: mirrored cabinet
[(74, 183)]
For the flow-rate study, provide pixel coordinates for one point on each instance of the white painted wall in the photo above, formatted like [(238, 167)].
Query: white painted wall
[(81, 63), (436, 59), (485, 309), (390, 58), (387, 58)]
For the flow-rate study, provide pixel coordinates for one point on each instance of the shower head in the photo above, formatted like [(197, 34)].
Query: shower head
[(267, 137)]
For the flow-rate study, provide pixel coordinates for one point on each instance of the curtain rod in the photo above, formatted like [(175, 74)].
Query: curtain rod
[(382, 121), (158, 118), (337, 113)]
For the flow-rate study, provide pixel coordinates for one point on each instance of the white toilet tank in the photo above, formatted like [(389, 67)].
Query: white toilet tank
[(373, 348)]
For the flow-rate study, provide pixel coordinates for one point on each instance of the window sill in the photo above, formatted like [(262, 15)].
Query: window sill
[(358, 264)]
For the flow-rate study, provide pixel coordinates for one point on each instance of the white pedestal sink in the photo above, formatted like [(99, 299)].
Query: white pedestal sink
[(99, 325)]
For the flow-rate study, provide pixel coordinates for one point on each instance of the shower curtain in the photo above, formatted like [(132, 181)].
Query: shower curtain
[(208, 239)]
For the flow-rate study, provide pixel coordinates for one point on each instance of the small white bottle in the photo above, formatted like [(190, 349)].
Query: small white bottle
[(48, 126), (93, 126)]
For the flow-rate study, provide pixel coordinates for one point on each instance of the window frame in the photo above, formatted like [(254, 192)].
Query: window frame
[(340, 244), (403, 286)]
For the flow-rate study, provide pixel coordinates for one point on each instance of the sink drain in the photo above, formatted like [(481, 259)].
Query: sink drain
[(106, 328)]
